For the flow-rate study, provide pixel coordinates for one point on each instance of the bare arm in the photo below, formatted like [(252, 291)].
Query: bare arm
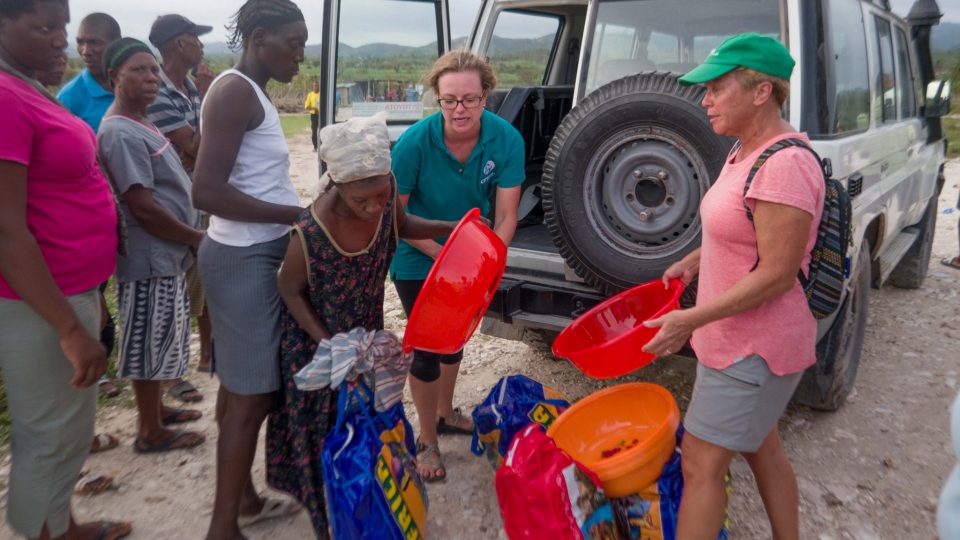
[(505, 220), (416, 228), (157, 220), (782, 233), (428, 246), (187, 140), (231, 110), (23, 267), (292, 284), (204, 79)]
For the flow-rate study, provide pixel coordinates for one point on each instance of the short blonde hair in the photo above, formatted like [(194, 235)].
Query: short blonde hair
[(458, 62), (750, 79)]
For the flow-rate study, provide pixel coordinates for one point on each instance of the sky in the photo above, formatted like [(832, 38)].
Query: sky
[(136, 17)]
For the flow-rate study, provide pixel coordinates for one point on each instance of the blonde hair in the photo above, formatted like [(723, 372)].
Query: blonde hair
[(458, 62), (750, 78)]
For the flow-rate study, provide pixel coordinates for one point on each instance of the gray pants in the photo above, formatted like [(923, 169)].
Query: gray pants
[(52, 421)]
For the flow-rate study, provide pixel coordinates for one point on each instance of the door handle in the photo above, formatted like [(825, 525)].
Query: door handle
[(884, 166)]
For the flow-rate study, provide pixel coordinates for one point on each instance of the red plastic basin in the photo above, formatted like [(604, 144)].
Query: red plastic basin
[(458, 288), (606, 341)]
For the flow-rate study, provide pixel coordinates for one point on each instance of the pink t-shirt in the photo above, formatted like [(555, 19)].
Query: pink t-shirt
[(782, 330), (70, 210)]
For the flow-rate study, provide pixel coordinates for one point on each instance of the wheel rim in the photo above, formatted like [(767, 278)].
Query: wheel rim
[(646, 197)]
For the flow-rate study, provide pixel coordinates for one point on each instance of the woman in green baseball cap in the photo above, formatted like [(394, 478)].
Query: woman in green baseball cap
[(751, 328)]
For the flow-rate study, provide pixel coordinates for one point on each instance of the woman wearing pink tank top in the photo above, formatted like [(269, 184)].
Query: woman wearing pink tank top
[(751, 328)]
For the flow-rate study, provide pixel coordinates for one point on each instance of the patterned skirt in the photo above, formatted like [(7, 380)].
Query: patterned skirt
[(154, 328)]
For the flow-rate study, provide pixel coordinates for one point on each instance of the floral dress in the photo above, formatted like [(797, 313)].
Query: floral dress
[(346, 290)]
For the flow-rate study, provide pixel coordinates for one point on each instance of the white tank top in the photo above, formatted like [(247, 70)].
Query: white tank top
[(262, 171)]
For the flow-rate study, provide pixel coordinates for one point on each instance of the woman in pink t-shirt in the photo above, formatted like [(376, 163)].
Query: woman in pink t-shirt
[(58, 241), (751, 328)]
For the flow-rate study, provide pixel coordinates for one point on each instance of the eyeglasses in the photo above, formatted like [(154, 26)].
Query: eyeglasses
[(469, 102)]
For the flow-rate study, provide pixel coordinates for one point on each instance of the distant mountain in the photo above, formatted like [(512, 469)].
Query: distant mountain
[(946, 37)]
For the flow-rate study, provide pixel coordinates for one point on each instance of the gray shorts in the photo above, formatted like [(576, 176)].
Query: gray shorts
[(244, 307), (735, 408)]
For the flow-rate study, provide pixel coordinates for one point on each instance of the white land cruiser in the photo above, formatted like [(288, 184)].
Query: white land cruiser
[(619, 155)]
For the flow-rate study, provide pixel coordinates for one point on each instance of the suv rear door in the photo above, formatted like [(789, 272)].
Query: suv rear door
[(898, 128), (374, 53)]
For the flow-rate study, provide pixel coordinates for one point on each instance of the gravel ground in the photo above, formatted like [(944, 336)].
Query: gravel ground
[(874, 469)]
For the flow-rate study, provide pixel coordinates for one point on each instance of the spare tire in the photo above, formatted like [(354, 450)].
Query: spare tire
[(624, 176)]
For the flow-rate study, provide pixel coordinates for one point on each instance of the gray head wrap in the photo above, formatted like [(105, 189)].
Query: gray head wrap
[(354, 150)]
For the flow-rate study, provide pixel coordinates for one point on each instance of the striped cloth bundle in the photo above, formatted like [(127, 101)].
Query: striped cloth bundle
[(376, 355)]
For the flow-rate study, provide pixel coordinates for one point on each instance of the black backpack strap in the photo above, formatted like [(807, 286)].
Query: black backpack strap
[(770, 150), (764, 156)]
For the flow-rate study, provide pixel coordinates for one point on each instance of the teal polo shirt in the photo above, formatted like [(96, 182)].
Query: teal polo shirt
[(440, 187), (84, 97)]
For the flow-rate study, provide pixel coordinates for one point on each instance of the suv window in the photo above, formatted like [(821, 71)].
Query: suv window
[(380, 65), (522, 62), (905, 80), (885, 85), (631, 36), (847, 95)]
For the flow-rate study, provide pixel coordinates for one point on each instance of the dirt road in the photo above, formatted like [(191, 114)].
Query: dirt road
[(874, 469)]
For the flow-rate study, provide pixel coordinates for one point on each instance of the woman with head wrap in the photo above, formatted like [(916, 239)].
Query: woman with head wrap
[(154, 308), (58, 240), (332, 280), (242, 179)]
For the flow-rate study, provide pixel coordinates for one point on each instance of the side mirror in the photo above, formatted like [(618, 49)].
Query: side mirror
[(938, 99)]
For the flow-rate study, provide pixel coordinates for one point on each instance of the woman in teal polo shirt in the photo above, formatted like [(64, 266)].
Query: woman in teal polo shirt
[(445, 165)]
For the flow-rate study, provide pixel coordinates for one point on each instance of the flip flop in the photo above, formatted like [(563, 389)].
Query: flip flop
[(110, 530), (108, 388), (103, 442), (273, 507), (142, 447), (951, 262), (451, 424), (93, 484), (182, 388), (180, 416)]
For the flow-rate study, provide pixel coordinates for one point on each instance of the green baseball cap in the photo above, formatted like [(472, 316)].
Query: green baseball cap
[(759, 53)]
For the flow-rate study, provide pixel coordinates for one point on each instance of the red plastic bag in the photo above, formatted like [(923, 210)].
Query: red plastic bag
[(546, 495)]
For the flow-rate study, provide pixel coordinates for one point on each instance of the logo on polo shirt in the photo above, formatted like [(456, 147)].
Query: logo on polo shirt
[(488, 171)]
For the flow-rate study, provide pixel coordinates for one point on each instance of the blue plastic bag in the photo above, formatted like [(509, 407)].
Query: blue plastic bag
[(513, 403), (371, 483), (652, 513)]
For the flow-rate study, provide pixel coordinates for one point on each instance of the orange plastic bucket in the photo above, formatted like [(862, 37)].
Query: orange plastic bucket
[(458, 289), (624, 434), (606, 341)]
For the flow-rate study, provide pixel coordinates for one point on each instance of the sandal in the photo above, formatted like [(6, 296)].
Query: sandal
[(952, 262), (108, 388), (180, 416), (173, 442), (93, 484), (429, 457), (185, 392), (454, 424), (103, 442), (273, 507), (113, 530)]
